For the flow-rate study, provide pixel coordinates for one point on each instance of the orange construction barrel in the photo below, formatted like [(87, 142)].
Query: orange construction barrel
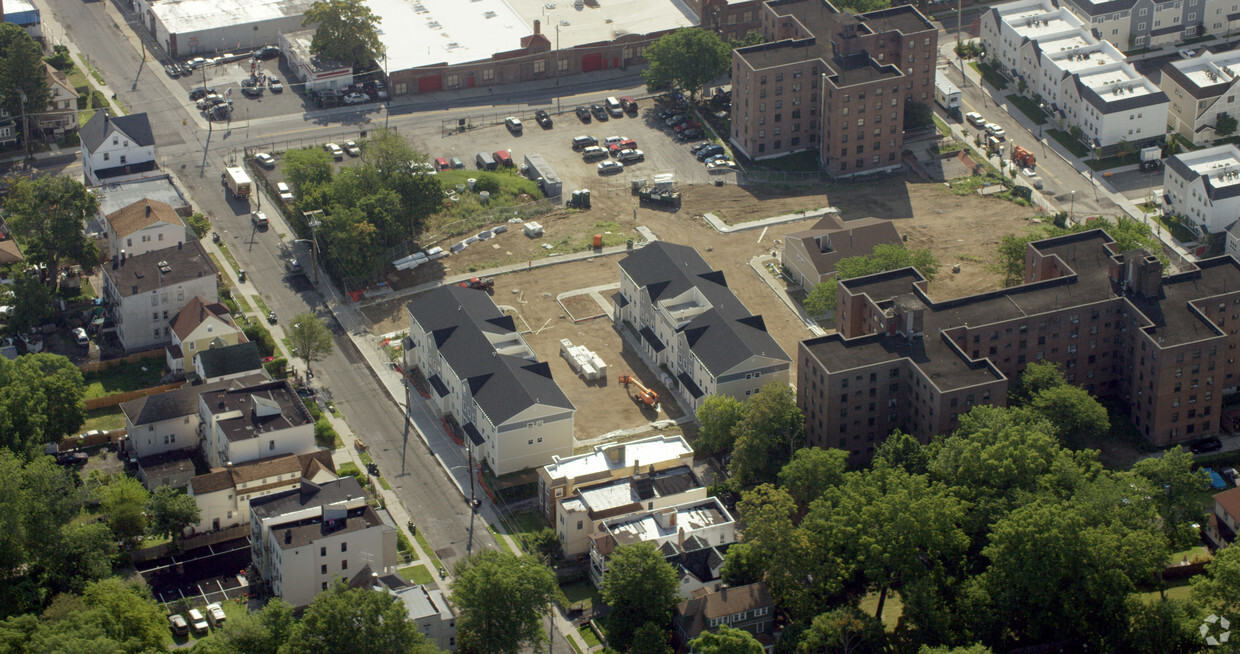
[(598, 241)]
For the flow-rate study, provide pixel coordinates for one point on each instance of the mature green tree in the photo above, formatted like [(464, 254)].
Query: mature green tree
[(1218, 589), (1224, 125), (890, 527), (263, 632), (306, 168), (640, 587), (1177, 490), (772, 429), (844, 630), (742, 565), (48, 215), (783, 551), (917, 115), (344, 30), (171, 511), (650, 638), (725, 640), (901, 450), (752, 37), (112, 614), (887, 256), (32, 304), (1038, 376), (1011, 260), (1077, 416), (717, 420), (1162, 626), (24, 90), (822, 298), (358, 621), (502, 600), (80, 554), (309, 338), (123, 499), (686, 60), (812, 471), (352, 240), (977, 648)]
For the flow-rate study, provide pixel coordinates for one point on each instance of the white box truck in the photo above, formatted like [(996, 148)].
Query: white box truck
[(946, 93), (238, 182)]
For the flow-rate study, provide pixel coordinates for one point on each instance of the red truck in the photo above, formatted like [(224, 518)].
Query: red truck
[(479, 283)]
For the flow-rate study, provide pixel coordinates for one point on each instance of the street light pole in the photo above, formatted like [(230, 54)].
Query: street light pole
[(1072, 210)]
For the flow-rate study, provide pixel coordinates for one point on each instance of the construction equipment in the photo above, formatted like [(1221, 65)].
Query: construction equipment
[(1022, 157), (479, 283), (644, 395)]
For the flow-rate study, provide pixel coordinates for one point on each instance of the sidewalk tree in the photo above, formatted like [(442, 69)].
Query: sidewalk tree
[(309, 338), (23, 82), (48, 215), (502, 600), (357, 621), (686, 60), (171, 511), (641, 588), (345, 31)]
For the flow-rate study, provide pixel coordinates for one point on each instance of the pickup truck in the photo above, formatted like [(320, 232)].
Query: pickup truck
[(479, 283)]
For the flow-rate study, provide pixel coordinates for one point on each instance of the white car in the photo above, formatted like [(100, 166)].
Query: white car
[(720, 167), (265, 160), (975, 119), (215, 614), (80, 337), (286, 194), (34, 343), (631, 155), (352, 149), (259, 219), (610, 167), (607, 142), (513, 124), (996, 131), (355, 98), (1188, 54), (335, 151), (196, 621)]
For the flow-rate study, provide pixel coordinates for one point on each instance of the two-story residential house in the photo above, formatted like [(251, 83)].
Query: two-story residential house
[(144, 226), (168, 421), (580, 513), (486, 378), (1200, 90), (302, 539), (61, 114), (223, 496), (197, 327), (1202, 187), (116, 147), (672, 530), (749, 607), (228, 362), (143, 293), (258, 421), (810, 255), (1221, 525), (679, 313), (426, 606)]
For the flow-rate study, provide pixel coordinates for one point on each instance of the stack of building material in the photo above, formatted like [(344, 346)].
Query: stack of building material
[(584, 362)]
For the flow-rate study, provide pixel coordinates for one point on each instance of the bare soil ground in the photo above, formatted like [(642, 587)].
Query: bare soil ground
[(964, 230)]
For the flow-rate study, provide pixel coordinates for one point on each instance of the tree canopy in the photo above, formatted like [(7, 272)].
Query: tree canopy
[(502, 600), (885, 256), (24, 89), (641, 587), (41, 400), (309, 338), (49, 215), (717, 418), (772, 429), (686, 60), (725, 640), (171, 510), (358, 621), (344, 30)]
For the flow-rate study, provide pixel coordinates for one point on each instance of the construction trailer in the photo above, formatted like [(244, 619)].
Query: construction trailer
[(540, 171)]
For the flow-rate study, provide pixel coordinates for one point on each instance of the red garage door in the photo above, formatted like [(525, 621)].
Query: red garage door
[(430, 84), (592, 62)]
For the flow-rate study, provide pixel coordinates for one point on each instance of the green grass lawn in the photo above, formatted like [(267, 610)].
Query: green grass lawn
[(1179, 590), (588, 635), (426, 547), (416, 574), (232, 261), (893, 608), (232, 611), (106, 419), (574, 645), (582, 591), (503, 542), (1028, 107), (1065, 139), (989, 74), (1178, 231), (944, 130), (1107, 163), (122, 378), (262, 306)]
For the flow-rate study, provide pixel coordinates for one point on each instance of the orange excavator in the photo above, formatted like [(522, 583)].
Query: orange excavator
[(644, 395)]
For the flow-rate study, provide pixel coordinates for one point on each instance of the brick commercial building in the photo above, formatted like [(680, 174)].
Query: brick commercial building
[(833, 81), (1111, 320)]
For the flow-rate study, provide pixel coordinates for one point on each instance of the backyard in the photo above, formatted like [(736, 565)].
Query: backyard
[(124, 377)]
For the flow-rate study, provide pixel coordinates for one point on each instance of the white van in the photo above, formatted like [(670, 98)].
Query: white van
[(614, 107)]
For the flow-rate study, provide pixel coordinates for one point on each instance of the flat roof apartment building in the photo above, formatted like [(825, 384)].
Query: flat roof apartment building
[(833, 81), (1082, 81), (1115, 325), (1203, 188), (607, 463), (1199, 90)]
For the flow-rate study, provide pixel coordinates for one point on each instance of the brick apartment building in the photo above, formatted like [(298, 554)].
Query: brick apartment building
[(1165, 346), (833, 81)]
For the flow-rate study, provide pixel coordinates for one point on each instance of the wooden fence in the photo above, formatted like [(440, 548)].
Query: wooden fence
[(94, 440), (96, 366), (119, 398), (199, 540)]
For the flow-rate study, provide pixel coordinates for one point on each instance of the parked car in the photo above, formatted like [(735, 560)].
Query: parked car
[(352, 149), (503, 158), (583, 113), (629, 104), (709, 151), (267, 52), (543, 118), (456, 163), (197, 622), (355, 98), (80, 337), (996, 131), (1211, 444), (71, 458), (691, 134), (196, 63), (583, 142), (274, 84), (513, 124), (593, 153), (624, 144), (251, 90), (178, 625), (200, 93), (676, 119), (173, 70), (610, 167), (599, 111), (441, 163), (265, 160), (215, 614), (1188, 53), (697, 147), (715, 157), (611, 140), (334, 150), (258, 219), (975, 119), (629, 155), (720, 166), (286, 193)]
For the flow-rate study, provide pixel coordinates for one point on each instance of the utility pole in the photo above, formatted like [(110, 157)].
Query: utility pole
[(960, 41), (557, 60), (312, 219), (387, 109)]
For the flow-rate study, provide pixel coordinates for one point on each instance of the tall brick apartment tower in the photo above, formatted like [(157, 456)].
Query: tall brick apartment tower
[(834, 81)]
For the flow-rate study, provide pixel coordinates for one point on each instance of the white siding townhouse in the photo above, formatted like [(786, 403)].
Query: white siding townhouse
[(258, 421), (1082, 81), (302, 539), (116, 148), (1134, 24), (678, 312), (144, 226), (1203, 188), (484, 374), (1200, 90), (223, 496), (143, 293)]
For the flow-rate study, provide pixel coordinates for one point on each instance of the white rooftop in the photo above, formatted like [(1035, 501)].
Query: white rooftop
[(1117, 82), (650, 526), (1215, 162), (619, 455), (609, 20), (1210, 68), (196, 15), (1044, 24), (1084, 59), (426, 32), (605, 497)]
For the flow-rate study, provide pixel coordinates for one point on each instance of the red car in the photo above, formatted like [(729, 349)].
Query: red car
[(629, 105), (687, 125), (441, 163), (627, 144), (503, 158)]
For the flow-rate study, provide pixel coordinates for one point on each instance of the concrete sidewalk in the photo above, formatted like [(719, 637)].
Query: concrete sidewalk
[(722, 227)]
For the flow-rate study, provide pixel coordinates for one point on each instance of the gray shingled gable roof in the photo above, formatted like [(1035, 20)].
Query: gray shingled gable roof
[(722, 337), (135, 126), (503, 385), (175, 404), (230, 360)]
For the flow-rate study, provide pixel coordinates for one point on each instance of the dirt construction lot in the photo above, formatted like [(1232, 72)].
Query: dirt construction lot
[(959, 230)]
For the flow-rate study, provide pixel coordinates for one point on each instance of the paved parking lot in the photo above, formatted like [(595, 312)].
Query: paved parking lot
[(663, 153), (229, 76), (213, 574)]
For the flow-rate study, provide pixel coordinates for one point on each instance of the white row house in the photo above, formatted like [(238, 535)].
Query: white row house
[(1200, 90), (1203, 187)]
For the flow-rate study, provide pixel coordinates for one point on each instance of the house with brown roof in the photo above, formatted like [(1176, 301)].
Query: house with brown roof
[(1221, 525), (224, 495), (61, 114), (745, 607), (200, 326), (810, 255), (143, 226)]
